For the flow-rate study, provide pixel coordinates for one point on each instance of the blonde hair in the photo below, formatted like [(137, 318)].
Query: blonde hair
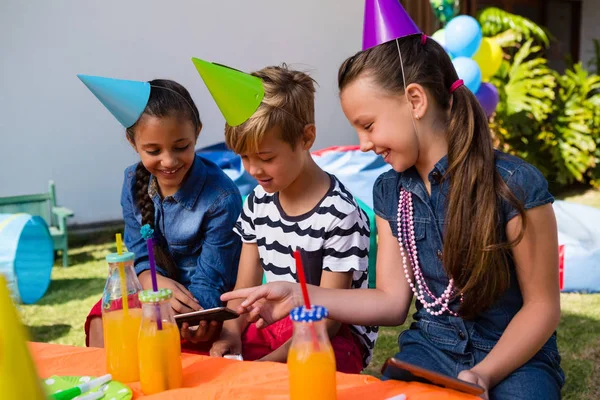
[(289, 104)]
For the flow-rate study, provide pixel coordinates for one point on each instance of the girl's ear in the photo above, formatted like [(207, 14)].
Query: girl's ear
[(417, 98)]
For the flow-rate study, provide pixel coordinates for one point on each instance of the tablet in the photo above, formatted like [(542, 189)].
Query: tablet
[(402, 371)]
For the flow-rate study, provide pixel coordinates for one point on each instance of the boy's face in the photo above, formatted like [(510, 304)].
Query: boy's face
[(276, 165)]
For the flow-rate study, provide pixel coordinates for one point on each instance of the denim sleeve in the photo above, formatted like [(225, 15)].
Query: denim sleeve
[(220, 255), (132, 237), (530, 187), (385, 198)]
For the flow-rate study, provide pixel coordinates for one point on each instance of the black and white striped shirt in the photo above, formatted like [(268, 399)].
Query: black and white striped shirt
[(333, 236)]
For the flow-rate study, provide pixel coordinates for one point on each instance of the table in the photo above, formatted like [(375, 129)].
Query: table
[(217, 378)]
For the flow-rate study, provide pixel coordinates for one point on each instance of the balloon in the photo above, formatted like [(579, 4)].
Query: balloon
[(440, 37), (444, 10), (463, 36), (489, 57), (468, 71), (488, 98)]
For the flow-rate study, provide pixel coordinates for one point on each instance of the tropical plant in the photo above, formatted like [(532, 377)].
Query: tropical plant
[(571, 131), (527, 91), (550, 120)]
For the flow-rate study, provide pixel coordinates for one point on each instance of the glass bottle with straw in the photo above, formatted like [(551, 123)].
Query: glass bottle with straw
[(311, 360), (159, 345), (121, 316)]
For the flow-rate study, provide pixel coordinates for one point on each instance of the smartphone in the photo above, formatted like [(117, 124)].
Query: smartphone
[(193, 318), (402, 371)]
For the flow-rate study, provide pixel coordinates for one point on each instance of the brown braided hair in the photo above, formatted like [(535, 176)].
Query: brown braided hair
[(174, 101)]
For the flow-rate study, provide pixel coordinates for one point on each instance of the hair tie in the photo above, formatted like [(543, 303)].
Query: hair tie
[(456, 85), (423, 39)]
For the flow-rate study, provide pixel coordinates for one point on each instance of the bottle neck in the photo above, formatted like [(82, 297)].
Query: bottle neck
[(162, 309), (309, 331)]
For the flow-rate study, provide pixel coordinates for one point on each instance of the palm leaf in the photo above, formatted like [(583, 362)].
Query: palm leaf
[(509, 38), (530, 85), (495, 21)]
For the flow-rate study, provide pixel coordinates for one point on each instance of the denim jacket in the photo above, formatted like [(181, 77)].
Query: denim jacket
[(529, 186), (195, 225)]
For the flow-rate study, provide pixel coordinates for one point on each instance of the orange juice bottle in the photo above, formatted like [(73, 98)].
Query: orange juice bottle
[(311, 361), (159, 344), (121, 319)]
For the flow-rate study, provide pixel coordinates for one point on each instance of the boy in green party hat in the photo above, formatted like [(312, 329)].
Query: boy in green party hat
[(270, 117)]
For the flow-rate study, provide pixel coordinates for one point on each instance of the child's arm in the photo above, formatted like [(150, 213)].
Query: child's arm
[(333, 280), (536, 259), (219, 257), (250, 274), (387, 304)]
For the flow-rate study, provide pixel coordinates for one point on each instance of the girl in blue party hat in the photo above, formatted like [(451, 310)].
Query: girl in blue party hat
[(189, 202)]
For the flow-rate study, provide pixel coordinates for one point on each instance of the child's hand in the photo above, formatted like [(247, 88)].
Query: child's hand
[(204, 332), (268, 303), (182, 301), (473, 377), (229, 343)]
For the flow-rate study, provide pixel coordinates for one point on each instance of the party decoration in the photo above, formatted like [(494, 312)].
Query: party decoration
[(236, 93), (444, 10), (463, 36), (488, 97), (489, 58), (468, 71), (125, 99), (386, 20)]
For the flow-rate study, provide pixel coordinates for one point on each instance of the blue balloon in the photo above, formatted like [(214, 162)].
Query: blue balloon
[(468, 70), (463, 36)]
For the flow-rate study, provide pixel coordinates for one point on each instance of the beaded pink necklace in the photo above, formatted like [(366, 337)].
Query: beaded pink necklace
[(406, 240)]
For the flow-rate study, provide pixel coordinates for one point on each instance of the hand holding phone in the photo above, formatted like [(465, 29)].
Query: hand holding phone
[(218, 314)]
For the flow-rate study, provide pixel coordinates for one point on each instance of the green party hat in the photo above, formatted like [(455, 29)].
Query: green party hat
[(236, 93)]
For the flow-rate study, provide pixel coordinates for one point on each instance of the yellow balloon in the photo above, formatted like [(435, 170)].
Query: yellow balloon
[(18, 377), (489, 58)]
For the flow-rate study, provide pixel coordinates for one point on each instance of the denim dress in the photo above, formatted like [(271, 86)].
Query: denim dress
[(449, 344)]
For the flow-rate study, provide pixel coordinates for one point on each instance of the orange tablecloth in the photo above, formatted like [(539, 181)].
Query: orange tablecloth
[(218, 378)]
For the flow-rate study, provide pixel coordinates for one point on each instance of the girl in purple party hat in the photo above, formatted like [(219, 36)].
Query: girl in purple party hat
[(465, 229)]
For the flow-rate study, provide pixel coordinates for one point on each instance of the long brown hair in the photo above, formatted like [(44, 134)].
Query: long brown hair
[(167, 99), (475, 252)]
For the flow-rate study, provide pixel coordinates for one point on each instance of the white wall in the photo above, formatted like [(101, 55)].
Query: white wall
[(590, 29), (52, 127)]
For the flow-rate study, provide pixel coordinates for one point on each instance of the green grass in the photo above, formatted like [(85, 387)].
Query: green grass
[(60, 315)]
